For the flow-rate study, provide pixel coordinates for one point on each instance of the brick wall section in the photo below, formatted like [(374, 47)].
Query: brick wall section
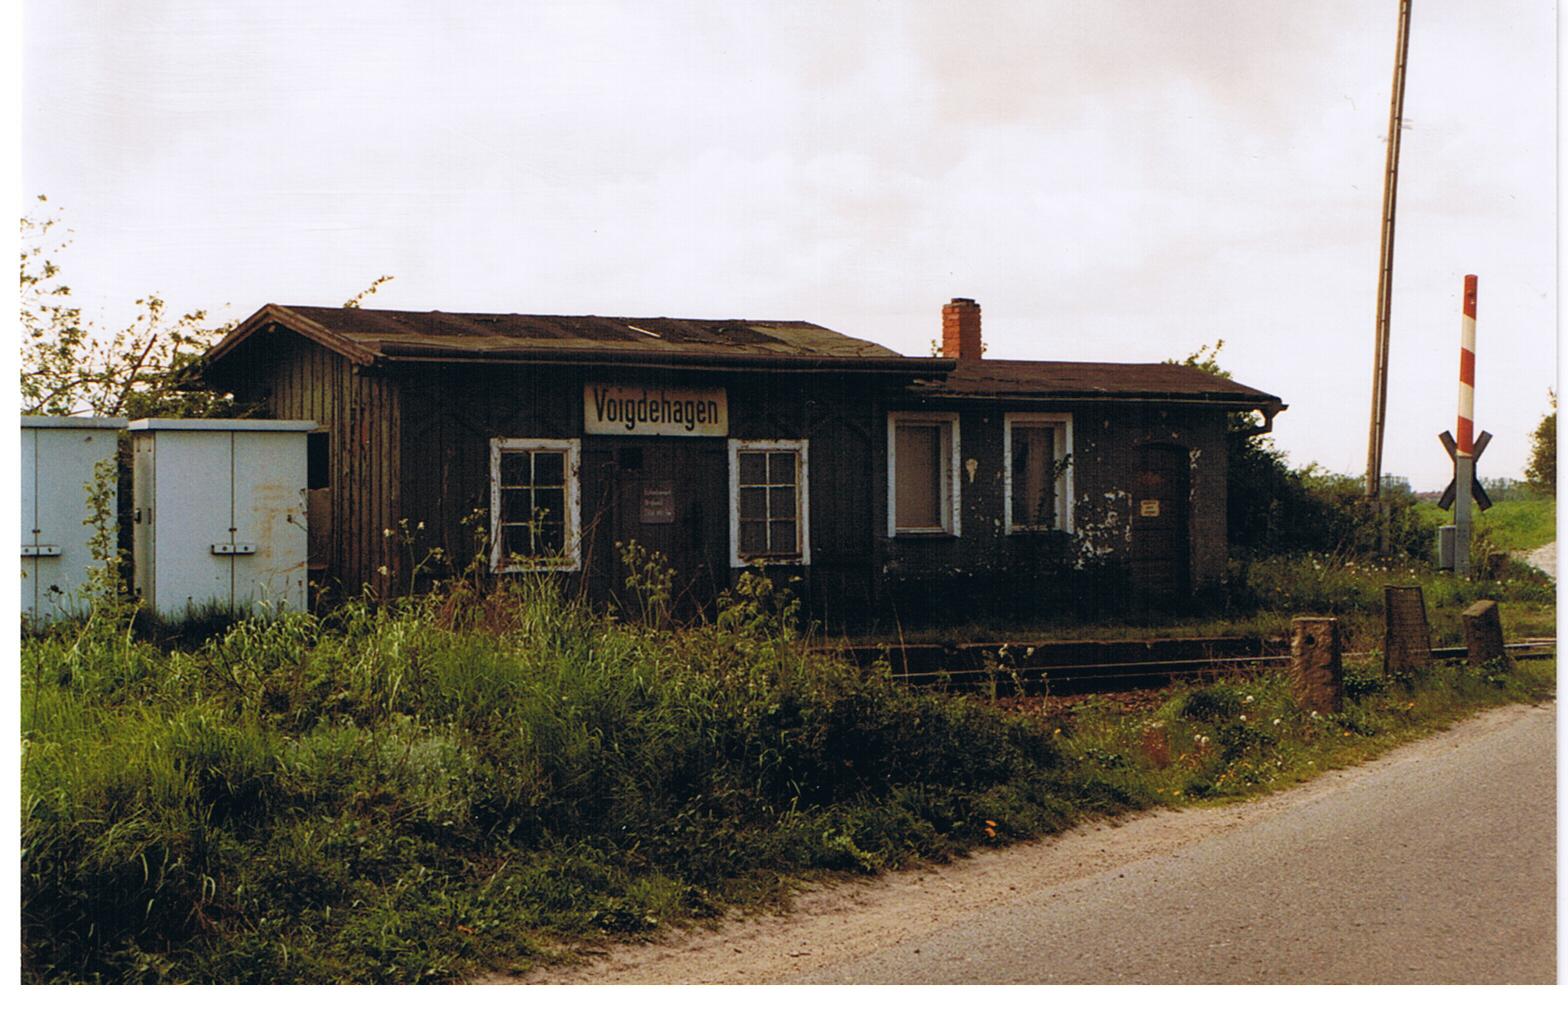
[(961, 329)]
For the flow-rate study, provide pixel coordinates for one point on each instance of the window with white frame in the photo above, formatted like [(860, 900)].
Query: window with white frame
[(922, 474), (769, 503), (535, 510), (1037, 472)]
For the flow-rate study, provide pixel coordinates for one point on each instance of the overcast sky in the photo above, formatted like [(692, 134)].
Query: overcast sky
[(1110, 180)]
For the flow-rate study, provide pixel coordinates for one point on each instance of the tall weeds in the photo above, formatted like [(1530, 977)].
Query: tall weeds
[(459, 781), (401, 790), (1353, 587)]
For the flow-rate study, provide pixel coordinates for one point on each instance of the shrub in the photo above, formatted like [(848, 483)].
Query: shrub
[(415, 790), (1212, 704), (354, 789)]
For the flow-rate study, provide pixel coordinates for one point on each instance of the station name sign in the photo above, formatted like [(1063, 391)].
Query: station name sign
[(656, 412)]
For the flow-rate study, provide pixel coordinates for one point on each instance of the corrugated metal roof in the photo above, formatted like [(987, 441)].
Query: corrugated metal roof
[(1011, 378)]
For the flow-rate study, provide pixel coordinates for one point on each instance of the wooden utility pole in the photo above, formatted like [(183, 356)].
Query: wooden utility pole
[(1385, 278)]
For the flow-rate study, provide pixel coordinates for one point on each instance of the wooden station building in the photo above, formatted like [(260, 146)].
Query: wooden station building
[(879, 485)]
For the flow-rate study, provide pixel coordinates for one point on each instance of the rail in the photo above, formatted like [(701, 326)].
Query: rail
[(1071, 667)]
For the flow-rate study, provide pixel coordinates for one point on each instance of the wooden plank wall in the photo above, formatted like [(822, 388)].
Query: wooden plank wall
[(451, 413), (415, 444), (449, 416)]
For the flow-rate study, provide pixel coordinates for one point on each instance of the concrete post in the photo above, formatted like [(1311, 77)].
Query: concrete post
[(1407, 641), (1316, 678), (1484, 633)]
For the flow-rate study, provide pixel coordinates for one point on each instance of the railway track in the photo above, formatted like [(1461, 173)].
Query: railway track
[(1097, 666)]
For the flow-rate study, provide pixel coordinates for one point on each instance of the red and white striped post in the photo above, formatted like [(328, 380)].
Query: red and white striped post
[(1464, 436), (1464, 440)]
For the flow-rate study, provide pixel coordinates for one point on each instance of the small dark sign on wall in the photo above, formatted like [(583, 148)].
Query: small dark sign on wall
[(658, 502)]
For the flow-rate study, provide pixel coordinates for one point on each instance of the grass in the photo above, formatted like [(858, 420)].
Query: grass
[(1520, 522), (465, 781), (477, 780), (1261, 596), (1352, 589), (1244, 737)]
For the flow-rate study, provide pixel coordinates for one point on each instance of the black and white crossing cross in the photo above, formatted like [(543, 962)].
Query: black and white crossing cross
[(1476, 490)]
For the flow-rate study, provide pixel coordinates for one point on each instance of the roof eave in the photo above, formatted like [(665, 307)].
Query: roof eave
[(1232, 401), (910, 366)]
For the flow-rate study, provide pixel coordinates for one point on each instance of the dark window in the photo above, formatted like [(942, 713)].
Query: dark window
[(1034, 475), (532, 516), (769, 507), (318, 460)]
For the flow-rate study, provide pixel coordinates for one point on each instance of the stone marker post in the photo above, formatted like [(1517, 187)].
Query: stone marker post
[(1407, 641), (1483, 633), (1316, 679)]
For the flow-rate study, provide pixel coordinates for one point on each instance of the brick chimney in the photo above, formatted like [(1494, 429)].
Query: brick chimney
[(961, 329)]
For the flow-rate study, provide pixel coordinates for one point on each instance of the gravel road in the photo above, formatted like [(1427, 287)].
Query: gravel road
[(1434, 864), (1544, 558)]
